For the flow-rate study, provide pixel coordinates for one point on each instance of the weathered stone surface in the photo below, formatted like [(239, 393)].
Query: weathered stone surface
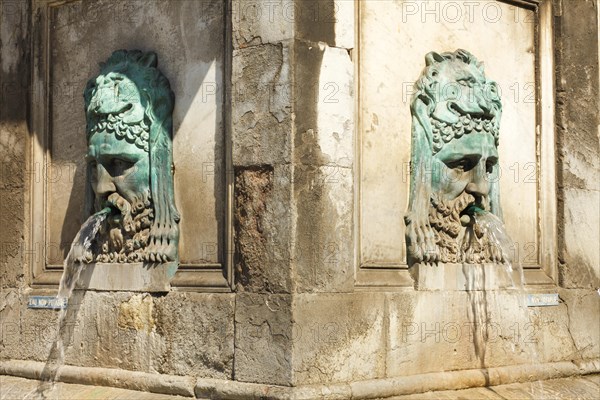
[(263, 336), (583, 327), (338, 337), (261, 105), (26, 334), (14, 132), (180, 334), (12, 244), (197, 333), (580, 258), (323, 177), (578, 169), (19, 388), (256, 23), (471, 394), (515, 334), (112, 330), (324, 105), (261, 221), (134, 277), (549, 334), (568, 388), (132, 380), (323, 258)]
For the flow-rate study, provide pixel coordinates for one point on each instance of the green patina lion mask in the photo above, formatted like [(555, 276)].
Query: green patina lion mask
[(456, 114), (129, 108)]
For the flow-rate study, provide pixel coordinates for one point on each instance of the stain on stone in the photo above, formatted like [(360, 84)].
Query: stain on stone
[(253, 187), (136, 313), (309, 151)]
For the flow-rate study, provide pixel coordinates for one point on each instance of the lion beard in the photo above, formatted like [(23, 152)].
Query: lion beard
[(124, 236), (443, 238)]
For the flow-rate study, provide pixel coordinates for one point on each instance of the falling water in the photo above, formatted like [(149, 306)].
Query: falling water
[(80, 246), (475, 274), (494, 229), (72, 269)]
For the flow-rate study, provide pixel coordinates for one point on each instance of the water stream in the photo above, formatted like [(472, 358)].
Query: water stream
[(493, 227), (72, 270)]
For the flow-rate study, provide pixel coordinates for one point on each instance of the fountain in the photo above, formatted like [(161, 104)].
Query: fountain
[(130, 241), (455, 235)]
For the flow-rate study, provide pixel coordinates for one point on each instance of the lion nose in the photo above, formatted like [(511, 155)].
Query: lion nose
[(484, 106)]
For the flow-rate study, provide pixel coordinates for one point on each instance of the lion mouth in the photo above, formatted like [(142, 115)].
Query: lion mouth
[(485, 114), (113, 115)]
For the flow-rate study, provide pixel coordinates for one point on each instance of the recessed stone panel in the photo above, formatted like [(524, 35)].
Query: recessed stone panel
[(188, 38), (388, 70)]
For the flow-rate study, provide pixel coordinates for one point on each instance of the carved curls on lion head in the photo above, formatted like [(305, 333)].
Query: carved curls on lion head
[(454, 98)]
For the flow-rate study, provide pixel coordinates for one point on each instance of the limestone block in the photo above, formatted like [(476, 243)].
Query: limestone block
[(262, 22), (12, 211), (324, 106), (569, 388), (583, 307), (197, 331), (180, 333), (14, 94), (581, 232), (10, 308), (112, 330), (577, 96), (263, 334), (25, 334), (135, 277), (261, 105), (323, 257), (344, 23), (338, 337), (551, 334), (423, 324)]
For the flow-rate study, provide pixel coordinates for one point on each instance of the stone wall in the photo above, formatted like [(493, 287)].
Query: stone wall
[(578, 168), (295, 316), (14, 141)]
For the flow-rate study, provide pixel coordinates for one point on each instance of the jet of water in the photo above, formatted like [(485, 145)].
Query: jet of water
[(72, 270), (79, 248)]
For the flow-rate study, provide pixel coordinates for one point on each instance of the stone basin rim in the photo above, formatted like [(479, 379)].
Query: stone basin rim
[(369, 389)]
